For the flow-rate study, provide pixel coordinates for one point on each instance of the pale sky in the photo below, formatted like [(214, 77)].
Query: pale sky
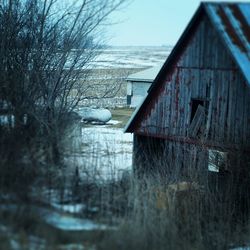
[(152, 22)]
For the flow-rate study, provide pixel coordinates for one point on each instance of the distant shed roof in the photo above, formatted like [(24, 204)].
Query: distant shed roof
[(147, 75), (232, 21)]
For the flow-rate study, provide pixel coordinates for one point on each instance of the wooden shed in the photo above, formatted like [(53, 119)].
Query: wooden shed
[(138, 85), (196, 116)]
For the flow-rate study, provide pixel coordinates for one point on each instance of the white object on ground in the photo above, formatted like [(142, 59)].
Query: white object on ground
[(95, 115)]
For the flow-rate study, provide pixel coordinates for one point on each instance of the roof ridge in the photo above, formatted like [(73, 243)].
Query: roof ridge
[(224, 2)]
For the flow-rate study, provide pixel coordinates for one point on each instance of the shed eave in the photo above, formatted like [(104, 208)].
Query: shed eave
[(139, 80)]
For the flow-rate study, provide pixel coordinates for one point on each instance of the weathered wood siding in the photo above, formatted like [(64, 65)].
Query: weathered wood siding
[(156, 156), (205, 70)]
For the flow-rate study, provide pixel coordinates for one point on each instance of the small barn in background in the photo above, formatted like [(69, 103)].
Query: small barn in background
[(138, 85), (196, 116)]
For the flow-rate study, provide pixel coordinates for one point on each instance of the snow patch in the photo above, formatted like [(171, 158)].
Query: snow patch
[(69, 208), (105, 153), (68, 223), (113, 122), (241, 248), (73, 247)]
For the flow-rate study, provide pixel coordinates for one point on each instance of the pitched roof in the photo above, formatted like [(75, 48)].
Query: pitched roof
[(147, 75), (232, 21)]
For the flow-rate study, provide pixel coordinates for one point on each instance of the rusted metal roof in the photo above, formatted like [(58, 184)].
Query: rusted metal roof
[(232, 21)]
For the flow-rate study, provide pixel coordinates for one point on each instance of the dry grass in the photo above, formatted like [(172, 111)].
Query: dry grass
[(123, 115), (162, 216), (157, 212)]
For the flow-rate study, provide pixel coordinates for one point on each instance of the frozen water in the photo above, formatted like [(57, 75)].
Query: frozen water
[(241, 248), (69, 223), (74, 247), (105, 153), (110, 150)]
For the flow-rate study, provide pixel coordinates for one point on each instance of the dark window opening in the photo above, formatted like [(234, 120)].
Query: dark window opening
[(194, 106), (129, 97)]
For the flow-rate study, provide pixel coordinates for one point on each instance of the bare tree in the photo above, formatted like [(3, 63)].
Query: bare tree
[(45, 51)]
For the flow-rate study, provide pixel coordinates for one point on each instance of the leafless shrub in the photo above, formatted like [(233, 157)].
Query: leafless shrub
[(45, 52)]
